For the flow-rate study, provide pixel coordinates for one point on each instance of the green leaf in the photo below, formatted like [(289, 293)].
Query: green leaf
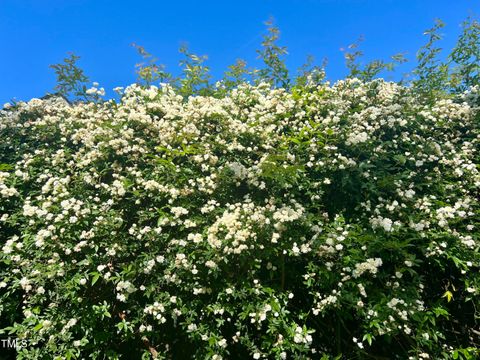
[(95, 278), (6, 167), (368, 338), (448, 294)]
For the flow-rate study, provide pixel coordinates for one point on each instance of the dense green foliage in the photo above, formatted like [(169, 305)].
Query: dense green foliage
[(262, 216)]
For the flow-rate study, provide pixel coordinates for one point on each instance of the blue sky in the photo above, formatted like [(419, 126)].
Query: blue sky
[(35, 34)]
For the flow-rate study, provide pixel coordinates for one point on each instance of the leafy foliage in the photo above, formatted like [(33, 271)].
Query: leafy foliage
[(431, 72), (150, 71), (275, 71), (259, 217), (71, 80), (196, 75), (466, 57), (373, 68)]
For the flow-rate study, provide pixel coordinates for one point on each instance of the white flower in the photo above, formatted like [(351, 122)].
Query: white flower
[(46, 324), (100, 268), (179, 211), (210, 264), (239, 170), (71, 322), (371, 265), (356, 138), (222, 343), (382, 222)]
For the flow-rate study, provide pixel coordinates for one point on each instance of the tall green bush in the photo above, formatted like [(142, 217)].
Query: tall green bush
[(270, 219)]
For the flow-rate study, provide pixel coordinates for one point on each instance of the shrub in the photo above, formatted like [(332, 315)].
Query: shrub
[(318, 222)]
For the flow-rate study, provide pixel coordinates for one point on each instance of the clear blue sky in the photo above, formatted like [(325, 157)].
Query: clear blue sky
[(37, 33)]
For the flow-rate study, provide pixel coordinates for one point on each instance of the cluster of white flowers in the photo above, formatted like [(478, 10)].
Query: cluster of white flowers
[(371, 266), (94, 90), (239, 170), (157, 310), (301, 336), (381, 222), (124, 288), (356, 138), (6, 191), (218, 209)]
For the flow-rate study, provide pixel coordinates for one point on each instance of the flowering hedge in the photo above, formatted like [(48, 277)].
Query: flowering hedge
[(317, 223)]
